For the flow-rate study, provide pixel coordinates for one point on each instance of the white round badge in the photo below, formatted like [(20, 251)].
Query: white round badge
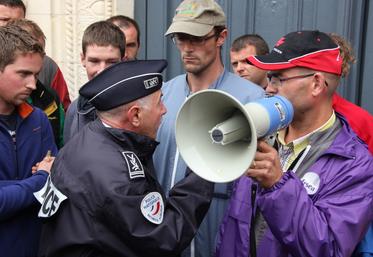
[(152, 207), (311, 182)]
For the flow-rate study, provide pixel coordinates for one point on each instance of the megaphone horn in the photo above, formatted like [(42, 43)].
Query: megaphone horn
[(217, 135)]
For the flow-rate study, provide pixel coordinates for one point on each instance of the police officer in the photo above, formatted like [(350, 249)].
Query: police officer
[(103, 198)]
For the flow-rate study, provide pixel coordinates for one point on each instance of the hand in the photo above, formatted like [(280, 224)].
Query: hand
[(45, 164), (35, 168), (266, 167)]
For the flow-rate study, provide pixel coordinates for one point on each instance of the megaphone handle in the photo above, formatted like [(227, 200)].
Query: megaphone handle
[(271, 139)]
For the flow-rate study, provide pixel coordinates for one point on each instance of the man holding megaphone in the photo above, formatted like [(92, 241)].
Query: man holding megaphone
[(313, 195)]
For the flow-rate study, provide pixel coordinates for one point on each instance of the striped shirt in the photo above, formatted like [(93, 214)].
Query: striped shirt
[(290, 151)]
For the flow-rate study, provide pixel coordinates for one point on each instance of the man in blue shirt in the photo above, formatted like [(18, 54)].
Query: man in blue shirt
[(199, 31)]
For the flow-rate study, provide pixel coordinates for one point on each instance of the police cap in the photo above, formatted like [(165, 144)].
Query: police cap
[(123, 82)]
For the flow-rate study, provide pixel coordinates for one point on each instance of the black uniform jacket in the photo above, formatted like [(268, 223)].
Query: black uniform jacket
[(102, 215)]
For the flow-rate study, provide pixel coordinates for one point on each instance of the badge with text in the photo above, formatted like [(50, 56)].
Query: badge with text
[(153, 82), (50, 198), (311, 182), (134, 165), (152, 207)]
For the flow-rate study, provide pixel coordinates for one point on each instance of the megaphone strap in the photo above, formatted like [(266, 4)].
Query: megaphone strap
[(252, 223)]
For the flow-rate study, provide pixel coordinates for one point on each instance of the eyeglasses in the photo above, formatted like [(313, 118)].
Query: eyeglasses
[(276, 81), (180, 39)]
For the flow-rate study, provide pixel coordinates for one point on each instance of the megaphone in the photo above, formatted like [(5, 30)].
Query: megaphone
[(217, 136)]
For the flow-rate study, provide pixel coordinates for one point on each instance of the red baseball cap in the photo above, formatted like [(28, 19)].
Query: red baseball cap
[(310, 49)]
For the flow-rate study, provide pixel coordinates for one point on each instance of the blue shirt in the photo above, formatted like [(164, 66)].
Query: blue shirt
[(19, 225)]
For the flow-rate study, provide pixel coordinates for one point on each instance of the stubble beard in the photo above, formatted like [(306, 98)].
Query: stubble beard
[(198, 68)]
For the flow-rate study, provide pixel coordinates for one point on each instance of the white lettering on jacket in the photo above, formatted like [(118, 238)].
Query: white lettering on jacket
[(50, 198), (152, 207), (311, 182)]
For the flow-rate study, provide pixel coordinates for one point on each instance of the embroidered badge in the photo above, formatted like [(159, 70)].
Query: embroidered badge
[(50, 198), (311, 182), (51, 109), (152, 207), (153, 82), (134, 165)]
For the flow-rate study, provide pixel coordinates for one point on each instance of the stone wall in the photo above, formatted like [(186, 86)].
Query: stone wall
[(63, 22)]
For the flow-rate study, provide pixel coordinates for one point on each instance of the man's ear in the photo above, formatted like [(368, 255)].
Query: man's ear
[(134, 116), (82, 59), (222, 37), (319, 84)]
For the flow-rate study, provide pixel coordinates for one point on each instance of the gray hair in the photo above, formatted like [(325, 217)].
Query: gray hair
[(114, 113)]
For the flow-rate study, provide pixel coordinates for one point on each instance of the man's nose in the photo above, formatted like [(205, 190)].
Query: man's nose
[(31, 83), (270, 89), (240, 66), (187, 45), (164, 109), (102, 66)]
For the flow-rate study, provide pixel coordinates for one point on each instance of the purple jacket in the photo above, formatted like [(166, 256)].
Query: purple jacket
[(328, 222)]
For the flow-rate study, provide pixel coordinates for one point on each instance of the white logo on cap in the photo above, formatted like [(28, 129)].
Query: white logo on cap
[(134, 165), (152, 207), (311, 182), (277, 50), (153, 82), (50, 198)]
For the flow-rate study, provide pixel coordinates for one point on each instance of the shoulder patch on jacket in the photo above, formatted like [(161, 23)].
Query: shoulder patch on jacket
[(152, 207), (135, 168), (51, 109), (50, 198)]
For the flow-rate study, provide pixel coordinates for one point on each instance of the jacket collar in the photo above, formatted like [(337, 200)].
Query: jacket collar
[(143, 145), (24, 110), (343, 144)]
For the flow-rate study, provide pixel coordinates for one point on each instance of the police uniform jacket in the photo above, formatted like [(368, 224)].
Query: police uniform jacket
[(106, 174)]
